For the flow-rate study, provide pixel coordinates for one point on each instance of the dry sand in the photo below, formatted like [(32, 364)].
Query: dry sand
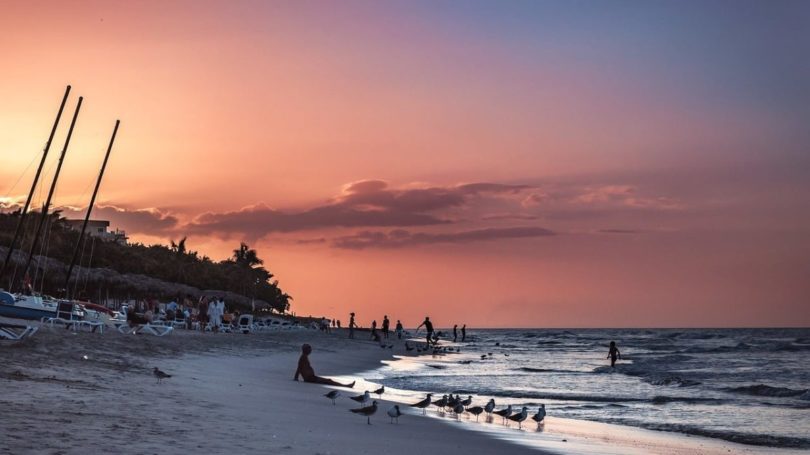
[(77, 393)]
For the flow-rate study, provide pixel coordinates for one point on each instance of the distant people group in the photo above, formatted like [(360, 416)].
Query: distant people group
[(208, 313), (432, 337)]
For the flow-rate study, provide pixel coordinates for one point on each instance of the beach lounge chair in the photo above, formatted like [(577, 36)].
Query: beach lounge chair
[(16, 332), (156, 329), (65, 316), (245, 323)]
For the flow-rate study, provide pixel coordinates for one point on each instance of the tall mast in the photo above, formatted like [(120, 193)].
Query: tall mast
[(90, 209), (44, 216), (24, 211)]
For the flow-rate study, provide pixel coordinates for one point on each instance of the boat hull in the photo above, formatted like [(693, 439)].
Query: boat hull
[(9, 309)]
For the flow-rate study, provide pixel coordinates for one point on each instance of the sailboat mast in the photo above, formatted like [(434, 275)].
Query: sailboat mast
[(24, 210), (90, 209), (44, 215)]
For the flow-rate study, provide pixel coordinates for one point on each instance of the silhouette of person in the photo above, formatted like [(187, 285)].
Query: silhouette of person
[(455, 333), (399, 329), (308, 374), (352, 325), (613, 354), (463, 333), (429, 327), (385, 326)]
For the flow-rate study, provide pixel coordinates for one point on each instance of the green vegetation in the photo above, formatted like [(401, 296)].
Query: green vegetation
[(135, 270)]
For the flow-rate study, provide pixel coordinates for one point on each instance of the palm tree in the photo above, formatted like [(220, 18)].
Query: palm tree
[(246, 256)]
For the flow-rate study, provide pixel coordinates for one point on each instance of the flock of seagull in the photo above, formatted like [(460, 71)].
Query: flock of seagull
[(447, 403)]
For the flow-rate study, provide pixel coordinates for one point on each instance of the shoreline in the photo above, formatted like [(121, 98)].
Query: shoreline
[(235, 393)]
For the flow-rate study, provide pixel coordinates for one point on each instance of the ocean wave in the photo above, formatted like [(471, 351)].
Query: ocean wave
[(672, 381), (762, 390), (664, 399), (726, 435), (545, 370)]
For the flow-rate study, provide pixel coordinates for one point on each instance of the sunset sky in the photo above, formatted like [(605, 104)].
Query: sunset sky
[(494, 163)]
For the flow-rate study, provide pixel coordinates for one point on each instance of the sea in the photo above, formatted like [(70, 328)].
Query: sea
[(749, 386)]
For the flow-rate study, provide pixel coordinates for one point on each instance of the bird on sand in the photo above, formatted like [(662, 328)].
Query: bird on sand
[(541, 414), (423, 404), (408, 347), (379, 391), (441, 402), (467, 401), (333, 395), (367, 411), (458, 409), (394, 413), (490, 406), (361, 398), (520, 416), (160, 375), (476, 411), (505, 413)]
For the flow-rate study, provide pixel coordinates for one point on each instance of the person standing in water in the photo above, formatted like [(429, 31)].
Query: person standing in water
[(429, 327), (386, 324), (352, 325), (613, 354), (455, 333), (463, 333), (399, 329)]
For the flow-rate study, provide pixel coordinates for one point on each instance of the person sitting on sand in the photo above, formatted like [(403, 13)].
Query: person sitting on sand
[(308, 374), (613, 354)]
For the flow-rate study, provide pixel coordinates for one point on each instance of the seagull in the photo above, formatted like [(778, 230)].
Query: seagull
[(333, 395), (520, 416), (441, 403), (361, 398), (380, 391), (541, 414), (490, 406), (476, 411), (466, 402), (394, 413), (505, 413), (368, 411), (423, 404), (483, 356), (458, 409), (160, 375)]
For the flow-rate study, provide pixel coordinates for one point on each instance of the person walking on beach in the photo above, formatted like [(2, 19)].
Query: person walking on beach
[(613, 354), (307, 373), (429, 327), (399, 329), (374, 335), (455, 333), (385, 326), (463, 333), (352, 325)]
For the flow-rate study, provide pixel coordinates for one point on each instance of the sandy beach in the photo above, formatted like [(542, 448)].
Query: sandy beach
[(71, 393)]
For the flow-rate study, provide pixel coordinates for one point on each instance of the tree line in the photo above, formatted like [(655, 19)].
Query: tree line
[(114, 270)]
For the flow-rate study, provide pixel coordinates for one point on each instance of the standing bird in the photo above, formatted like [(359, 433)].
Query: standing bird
[(368, 411), (458, 409), (361, 398), (476, 411), (423, 404), (394, 413), (520, 416), (380, 391), (466, 402), (541, 414), (160, 375), (505, 413), (490, 406), (441, 402), (333, 395)]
